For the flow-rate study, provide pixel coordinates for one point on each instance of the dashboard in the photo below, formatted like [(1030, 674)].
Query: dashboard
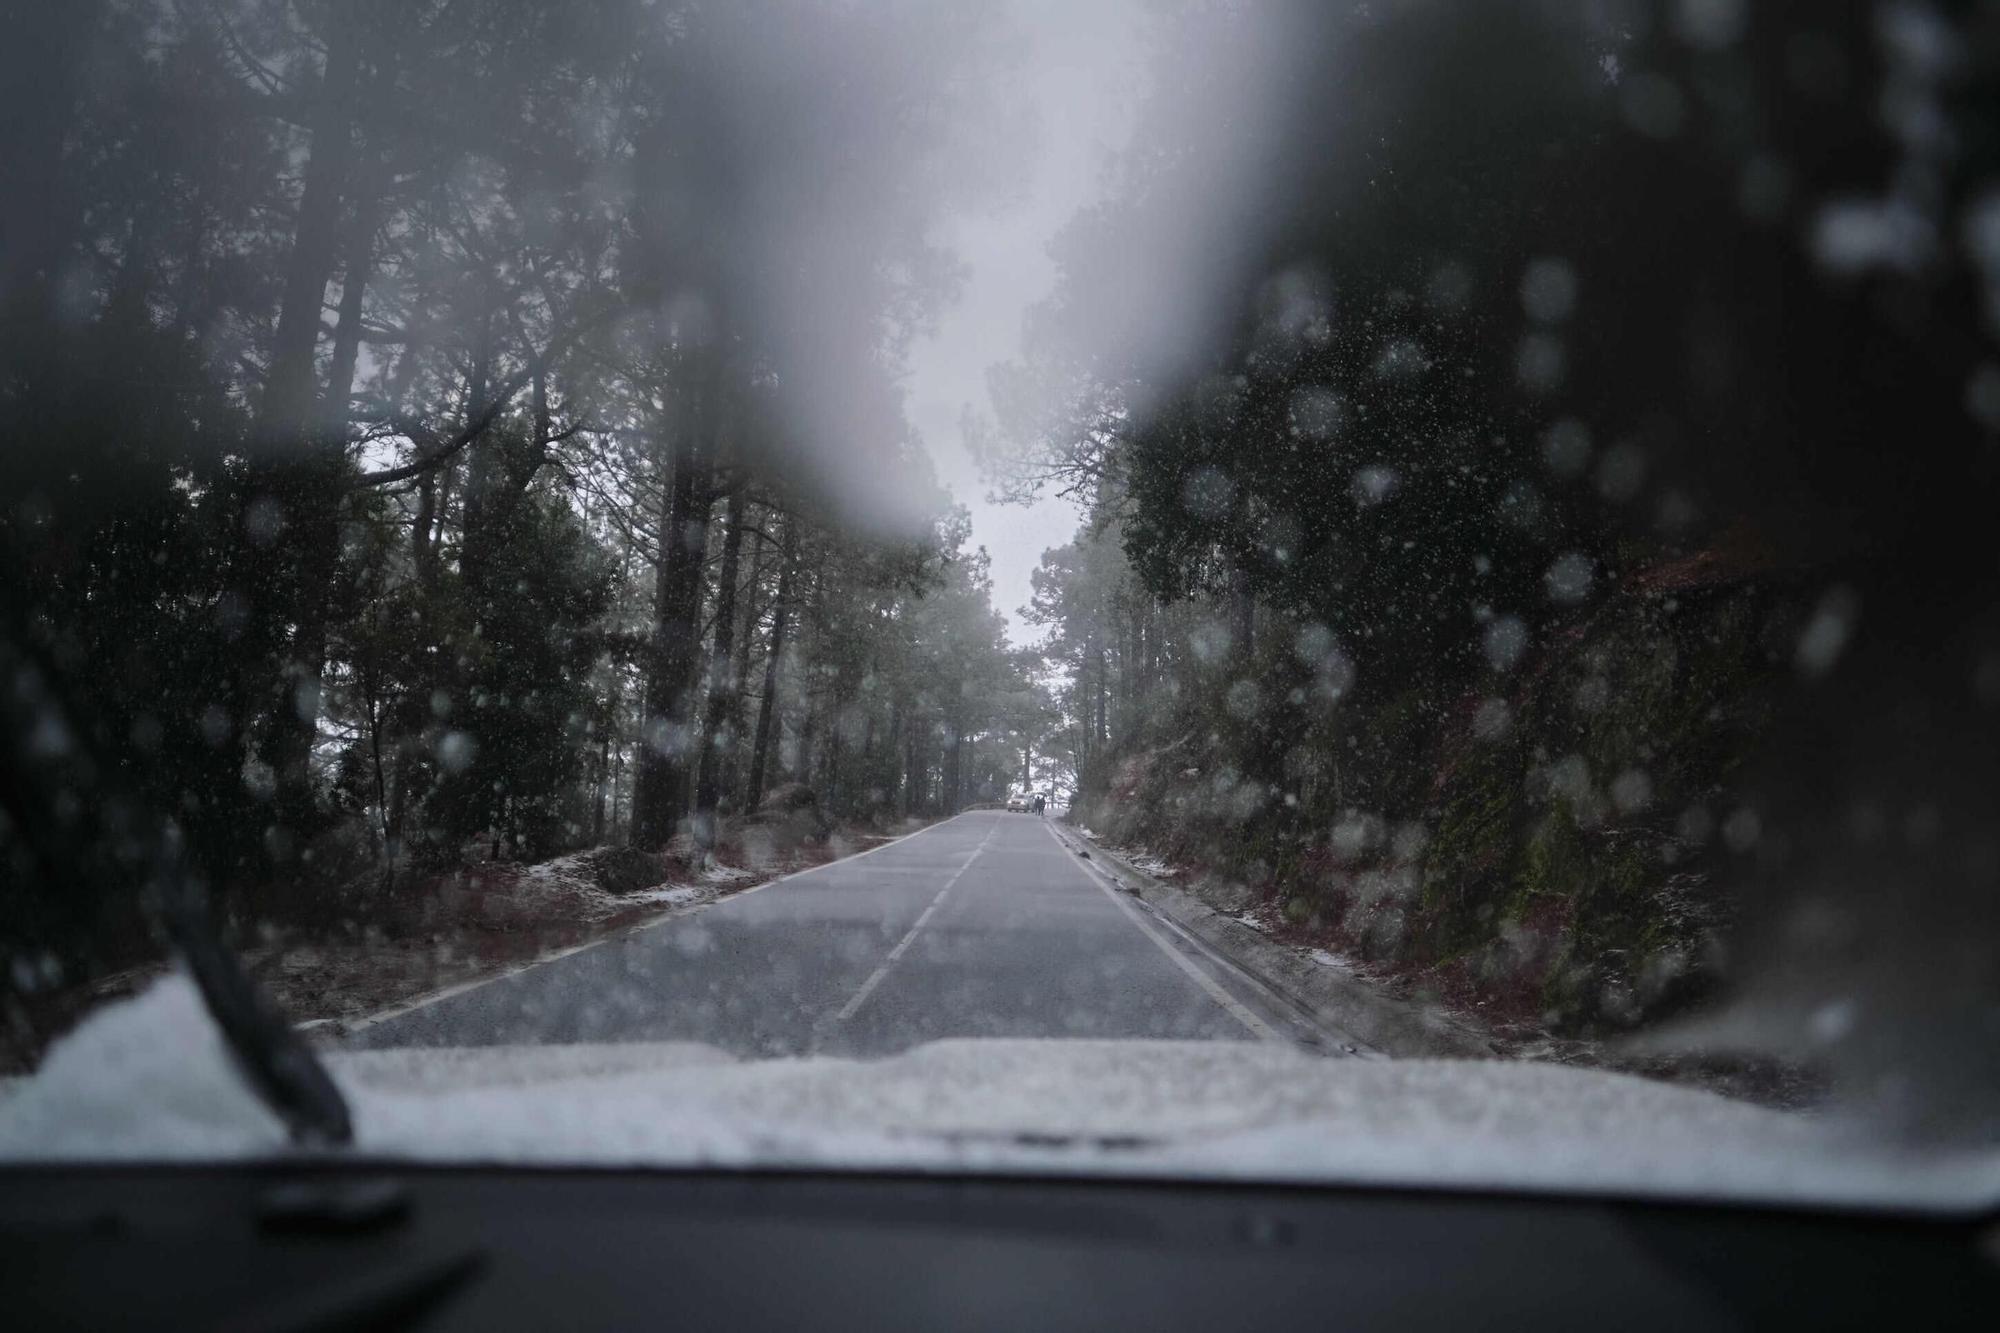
[(438, 1248)]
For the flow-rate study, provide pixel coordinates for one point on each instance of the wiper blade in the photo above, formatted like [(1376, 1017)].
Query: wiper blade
[(79, 825), (272, 1056)]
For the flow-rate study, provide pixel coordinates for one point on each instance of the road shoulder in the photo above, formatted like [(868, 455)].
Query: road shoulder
[(1333, 997)]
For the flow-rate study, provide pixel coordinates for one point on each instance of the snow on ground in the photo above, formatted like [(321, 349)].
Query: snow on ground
[(568, 884), (149, 1079), (666, 895)]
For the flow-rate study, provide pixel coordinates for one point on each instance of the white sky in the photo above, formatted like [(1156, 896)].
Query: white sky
[(1082, 78)]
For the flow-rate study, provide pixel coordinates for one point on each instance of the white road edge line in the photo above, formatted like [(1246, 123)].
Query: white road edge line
[(349, 1027), (860, 998), (1237, 1009)]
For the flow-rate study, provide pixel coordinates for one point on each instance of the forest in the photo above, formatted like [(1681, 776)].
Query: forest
[(1535, 461), (1557, 578), (406, 462)]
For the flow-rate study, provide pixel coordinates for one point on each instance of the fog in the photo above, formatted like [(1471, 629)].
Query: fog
[(1041, 103), (1558, 433), (1083, 73)]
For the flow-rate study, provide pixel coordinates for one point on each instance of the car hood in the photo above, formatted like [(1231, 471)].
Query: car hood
[(148, 1079)]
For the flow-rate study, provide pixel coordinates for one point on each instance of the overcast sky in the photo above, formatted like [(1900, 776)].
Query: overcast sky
[(1081, 79)]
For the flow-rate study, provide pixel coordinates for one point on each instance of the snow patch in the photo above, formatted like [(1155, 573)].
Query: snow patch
[(141, 1078), (671, 895), (571, 881)]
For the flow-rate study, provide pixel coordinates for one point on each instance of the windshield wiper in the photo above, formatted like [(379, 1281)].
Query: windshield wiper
[(80, 825)]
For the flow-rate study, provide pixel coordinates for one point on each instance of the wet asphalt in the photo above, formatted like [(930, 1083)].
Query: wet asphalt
[(981, 926)]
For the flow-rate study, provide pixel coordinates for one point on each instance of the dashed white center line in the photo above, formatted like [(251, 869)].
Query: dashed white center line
[(860, 998)]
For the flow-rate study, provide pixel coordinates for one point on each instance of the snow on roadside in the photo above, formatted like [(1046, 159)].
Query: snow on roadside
[(664, 895), (568, 885), (1257, 916)]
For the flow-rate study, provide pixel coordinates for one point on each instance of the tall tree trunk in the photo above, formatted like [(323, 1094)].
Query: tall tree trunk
[(1242, 615), (954, 768), (730, 767), (320, 535), (1100, 734), (617, 787), (414, 715), (902, 745), (767, 706), (287, 572), (356, 270), (870, 763), (722, 719), (919, 781), (602, 788), (836, 735), (659, 795), (814, 696), (287, 405), (1128, 670)]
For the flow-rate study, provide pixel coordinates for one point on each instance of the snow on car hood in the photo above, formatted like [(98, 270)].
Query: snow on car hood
[(149, 1079)]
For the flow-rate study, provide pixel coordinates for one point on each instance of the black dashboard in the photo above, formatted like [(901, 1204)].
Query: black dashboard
[(271, 1248)]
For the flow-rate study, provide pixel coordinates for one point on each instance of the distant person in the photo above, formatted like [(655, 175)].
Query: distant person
[(1041, 802)]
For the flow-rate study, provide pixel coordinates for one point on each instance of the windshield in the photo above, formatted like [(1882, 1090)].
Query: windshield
[(1398, 591)]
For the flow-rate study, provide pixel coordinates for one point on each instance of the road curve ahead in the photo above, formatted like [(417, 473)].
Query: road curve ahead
[(981, 926)]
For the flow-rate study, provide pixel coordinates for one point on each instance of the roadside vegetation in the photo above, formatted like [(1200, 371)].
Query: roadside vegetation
[(1515, 597), (402, 483)]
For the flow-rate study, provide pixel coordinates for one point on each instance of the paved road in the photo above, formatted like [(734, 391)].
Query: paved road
[(981, 926)]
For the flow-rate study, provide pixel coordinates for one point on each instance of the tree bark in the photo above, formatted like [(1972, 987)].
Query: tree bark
[(954, 769), (356, 270), (722, 719), (920, 767), (767, 707), (287, 575), (288, 386), (810, 724), (730, 767), (1242, 615), (1101, 734), (660, 789)]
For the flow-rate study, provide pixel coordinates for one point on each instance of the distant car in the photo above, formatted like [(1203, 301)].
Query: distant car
[(1018, 804)]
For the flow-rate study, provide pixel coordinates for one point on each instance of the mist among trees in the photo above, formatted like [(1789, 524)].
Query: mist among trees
[(1535, 460), (1555, 569), (467, 429)]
